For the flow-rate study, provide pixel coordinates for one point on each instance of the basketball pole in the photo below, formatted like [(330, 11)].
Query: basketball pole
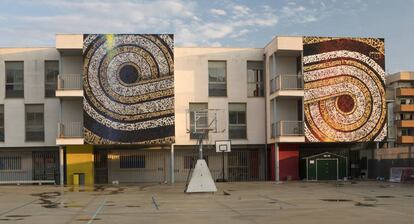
[(200, 148)]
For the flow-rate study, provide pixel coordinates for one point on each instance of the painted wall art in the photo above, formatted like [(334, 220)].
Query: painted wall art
[(344, 89), (128, 88)]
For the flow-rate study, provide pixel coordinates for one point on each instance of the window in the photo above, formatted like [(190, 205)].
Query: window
[(202, 121), (51, 73), (190, 161), (237, 121), (14, 79), (217, 85), (255, 78), (132, 161), (35, 123), (1, 123), (10, 163)]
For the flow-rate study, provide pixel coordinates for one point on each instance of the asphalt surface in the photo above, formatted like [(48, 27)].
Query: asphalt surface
[(248, 202)]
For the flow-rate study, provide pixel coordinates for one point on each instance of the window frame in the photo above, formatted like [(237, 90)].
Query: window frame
[(237, 124), (26, 123), (49, 83), (2, 127), (217, 83), (18, 162), (192, 135), (132, 163), (260, 83), (6, 84)]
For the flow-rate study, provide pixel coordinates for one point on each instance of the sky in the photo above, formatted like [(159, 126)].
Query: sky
[(225, 23)]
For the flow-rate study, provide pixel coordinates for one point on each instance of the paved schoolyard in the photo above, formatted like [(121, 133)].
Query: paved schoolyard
[(249, 202)]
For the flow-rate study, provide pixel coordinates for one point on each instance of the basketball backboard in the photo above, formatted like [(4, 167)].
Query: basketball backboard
[(223, 146), (203, 121)]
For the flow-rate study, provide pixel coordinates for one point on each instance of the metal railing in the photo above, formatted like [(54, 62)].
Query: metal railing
[(286, 82), (287, 128), (70, 130), (70, 82)]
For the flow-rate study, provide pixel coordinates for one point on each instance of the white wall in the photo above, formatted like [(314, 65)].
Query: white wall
[(34, 89), (191, 86), (71, 64), (72, 110), (286, 65), (286, 110)]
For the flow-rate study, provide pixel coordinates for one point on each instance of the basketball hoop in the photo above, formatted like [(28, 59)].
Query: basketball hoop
[(223, 146), (202, 122)]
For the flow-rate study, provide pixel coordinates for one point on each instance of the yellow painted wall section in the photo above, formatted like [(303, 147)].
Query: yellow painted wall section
[(79, 159)]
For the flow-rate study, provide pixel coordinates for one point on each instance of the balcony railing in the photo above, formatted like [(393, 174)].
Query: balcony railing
[(287, 128), (70, 82), (286, 82), (70, 130)]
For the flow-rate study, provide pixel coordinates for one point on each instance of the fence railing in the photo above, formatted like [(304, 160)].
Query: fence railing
[(286, 82), (70, 130), (287, 128), (70, 82)]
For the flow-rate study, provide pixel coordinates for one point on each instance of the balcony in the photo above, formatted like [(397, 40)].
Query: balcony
[(405, 123), (404, 91), (70, 85), (70, 133), (404, 108), (405, 139), (288, 131), (287, 85)]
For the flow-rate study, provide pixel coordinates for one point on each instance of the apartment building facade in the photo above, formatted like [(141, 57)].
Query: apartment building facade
[(94, 130), (401, 108)]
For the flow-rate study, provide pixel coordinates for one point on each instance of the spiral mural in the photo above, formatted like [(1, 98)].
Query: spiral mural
[(128, 89), (344, 82)]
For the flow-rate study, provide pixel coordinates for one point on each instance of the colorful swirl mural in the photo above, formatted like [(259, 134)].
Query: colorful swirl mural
[(344, 82), (128, 89)]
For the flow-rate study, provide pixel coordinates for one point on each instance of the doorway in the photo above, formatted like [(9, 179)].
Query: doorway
[(327, 169)]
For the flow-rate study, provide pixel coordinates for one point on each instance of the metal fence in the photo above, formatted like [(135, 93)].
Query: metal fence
[(70, 82), (287, 128), (239, 164), (17, 167), (70, 130), (286, 82), (132, 166)]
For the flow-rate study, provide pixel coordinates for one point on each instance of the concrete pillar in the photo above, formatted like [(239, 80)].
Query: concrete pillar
[(61, 166), (277, 176), (172, 177)]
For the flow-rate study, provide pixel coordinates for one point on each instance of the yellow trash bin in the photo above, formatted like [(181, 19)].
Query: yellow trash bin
[(76, 179)]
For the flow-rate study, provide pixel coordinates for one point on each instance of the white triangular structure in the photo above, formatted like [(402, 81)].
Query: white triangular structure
[(201, 179)]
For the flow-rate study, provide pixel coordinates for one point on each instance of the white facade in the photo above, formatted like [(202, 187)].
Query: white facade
[(191, 86), (34, 93)]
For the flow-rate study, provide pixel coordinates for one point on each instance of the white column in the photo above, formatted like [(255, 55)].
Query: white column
[(277, 178), (61, 164), (172, 178)]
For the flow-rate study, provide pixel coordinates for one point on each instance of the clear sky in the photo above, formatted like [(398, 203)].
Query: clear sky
[(238, 23)]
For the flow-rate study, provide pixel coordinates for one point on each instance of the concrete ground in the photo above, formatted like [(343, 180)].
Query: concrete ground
[(248, 202)]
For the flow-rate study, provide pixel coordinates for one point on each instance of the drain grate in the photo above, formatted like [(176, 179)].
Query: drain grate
[(385, 196), (364, 204), (336, 200)]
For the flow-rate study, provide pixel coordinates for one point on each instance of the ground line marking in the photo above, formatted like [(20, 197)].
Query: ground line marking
[(155, 203), (96, 212), (20, 206)]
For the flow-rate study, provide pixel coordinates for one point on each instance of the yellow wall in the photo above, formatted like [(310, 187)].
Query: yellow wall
[(79, 159)]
